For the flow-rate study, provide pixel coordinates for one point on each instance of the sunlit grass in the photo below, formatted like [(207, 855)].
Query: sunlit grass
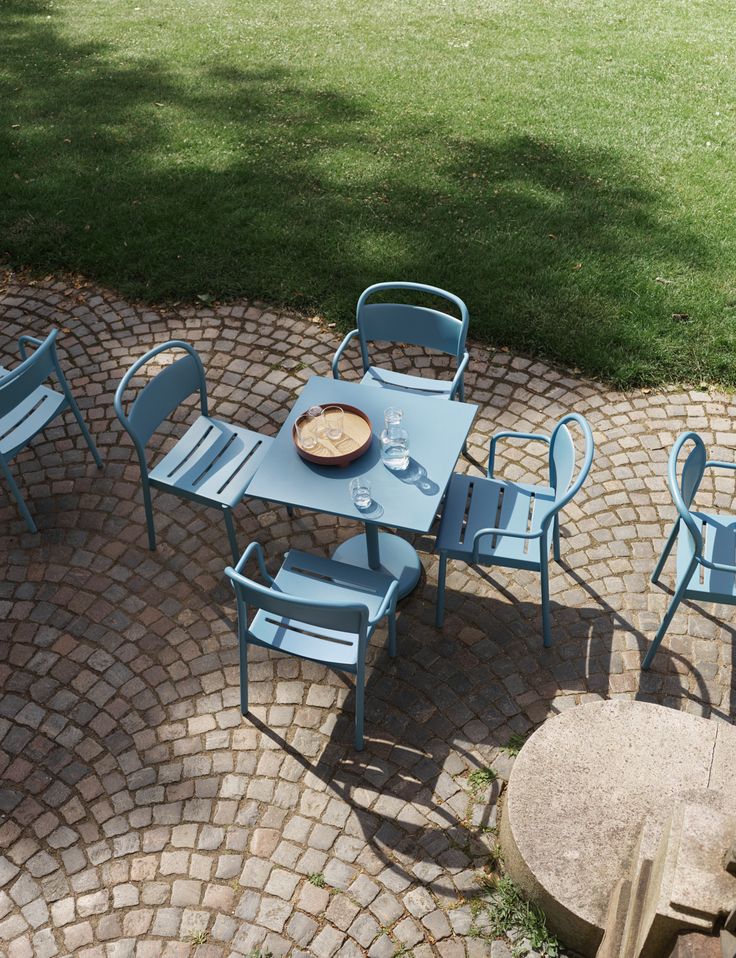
[(565, 167)]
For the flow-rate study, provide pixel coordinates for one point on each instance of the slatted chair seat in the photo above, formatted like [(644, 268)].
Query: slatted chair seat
[(489, 521), (27, 406), (306, 576), (414, 326), (29, 417), (213, 462), (405, 383), (706, 543), (719, 546), (474, 503), (316, 609)]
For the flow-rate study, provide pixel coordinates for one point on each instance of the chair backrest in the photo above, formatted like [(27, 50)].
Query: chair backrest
[(345, 617), (684, 488), (19, 383), (563, 459), (415, 325), (163, 393)]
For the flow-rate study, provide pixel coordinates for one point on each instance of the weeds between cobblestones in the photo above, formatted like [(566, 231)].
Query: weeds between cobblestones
[(139, 809)]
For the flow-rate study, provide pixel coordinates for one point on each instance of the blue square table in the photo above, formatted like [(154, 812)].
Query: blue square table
[(406, 500)]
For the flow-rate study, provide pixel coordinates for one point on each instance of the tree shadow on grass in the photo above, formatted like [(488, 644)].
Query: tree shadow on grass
[(259, 182)]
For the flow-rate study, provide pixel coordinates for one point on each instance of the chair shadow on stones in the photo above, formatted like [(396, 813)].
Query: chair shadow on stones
[(443, 708), (653, 686)]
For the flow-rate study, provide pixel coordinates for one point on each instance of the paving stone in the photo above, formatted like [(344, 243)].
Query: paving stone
[(76, 936), (327, 942), (24, 890), (419, 902), (338, 874), (186, 892), (383, 947), (282, 883), (364, 929), (301, 929), (36, 912), (408, 932), (341, 912), (386, 908), (7, 870), (312, 899), (478, 948), (166, 922), (363, 890), (438, 925), (44, 945), (273, 913)]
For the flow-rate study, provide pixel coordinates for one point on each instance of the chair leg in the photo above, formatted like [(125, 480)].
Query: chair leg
[(546, 626), (85, 431), (243, 675), (671, 609), (290, 511), (665, 553), (460, 395), (359, 706), (556, 538), (16, 493), (148, 506), (392, 634), (230, 526), (441, 574)]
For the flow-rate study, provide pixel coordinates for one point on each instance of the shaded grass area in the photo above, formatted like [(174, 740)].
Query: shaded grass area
[(564, 167)]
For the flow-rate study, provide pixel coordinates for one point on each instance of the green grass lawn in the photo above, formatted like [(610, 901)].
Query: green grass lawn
[(566, 166)]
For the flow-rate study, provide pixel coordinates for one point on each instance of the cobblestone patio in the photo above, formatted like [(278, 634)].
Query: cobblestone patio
[(139, 810)]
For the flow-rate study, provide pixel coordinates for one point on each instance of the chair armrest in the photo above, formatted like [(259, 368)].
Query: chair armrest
[(509, 434), (458, 377), (715, 464), (501, 532), (388, 604), (254, 548), (340, 350), (717, 566), (27, 340)]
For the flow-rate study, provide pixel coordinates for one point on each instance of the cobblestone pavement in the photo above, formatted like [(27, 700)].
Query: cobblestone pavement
[(141, 814)]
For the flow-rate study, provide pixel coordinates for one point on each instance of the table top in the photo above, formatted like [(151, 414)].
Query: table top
[(404, 500)]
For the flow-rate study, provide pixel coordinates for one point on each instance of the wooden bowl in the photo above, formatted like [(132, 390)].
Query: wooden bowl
[(357, 433)]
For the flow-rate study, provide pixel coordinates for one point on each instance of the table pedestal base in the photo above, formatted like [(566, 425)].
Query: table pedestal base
[(391, 554)]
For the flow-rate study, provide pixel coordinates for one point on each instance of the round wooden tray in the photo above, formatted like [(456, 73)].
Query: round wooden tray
[(357, 433)]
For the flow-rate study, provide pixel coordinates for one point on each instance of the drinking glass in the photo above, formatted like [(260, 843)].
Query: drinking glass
[(306, 432), (360, 492), (332, 418)]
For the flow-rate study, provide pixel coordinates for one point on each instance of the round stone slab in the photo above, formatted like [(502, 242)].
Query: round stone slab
[(580, 791)]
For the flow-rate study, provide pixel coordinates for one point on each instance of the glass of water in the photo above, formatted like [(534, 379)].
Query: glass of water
[(306, 432), (360, 492), (332, 419)]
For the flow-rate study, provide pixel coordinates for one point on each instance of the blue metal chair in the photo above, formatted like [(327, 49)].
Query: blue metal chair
[(495, 522), (315, 609), (416, 326), (27, 406), (706, 544), (212, 463)]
